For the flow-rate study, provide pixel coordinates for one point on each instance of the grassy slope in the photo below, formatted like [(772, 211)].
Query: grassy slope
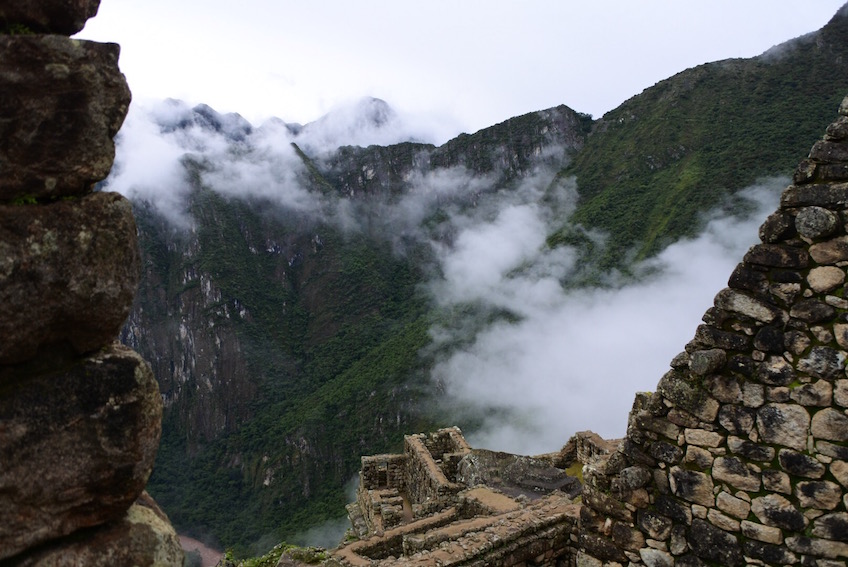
[(672, 152)]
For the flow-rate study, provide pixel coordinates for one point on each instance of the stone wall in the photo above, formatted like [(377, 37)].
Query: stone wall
[(427, 486), (80, 415), (741, 455), (383, 471)]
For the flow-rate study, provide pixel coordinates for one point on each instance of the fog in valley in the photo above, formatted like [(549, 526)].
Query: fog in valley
[(521, 354)]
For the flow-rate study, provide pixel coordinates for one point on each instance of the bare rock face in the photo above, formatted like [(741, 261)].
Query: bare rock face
[(65, 17), (77, 446), (68, 272), (61, 102), (142, 537)]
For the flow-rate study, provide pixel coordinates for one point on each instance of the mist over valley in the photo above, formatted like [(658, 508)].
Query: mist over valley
[(311, 293)]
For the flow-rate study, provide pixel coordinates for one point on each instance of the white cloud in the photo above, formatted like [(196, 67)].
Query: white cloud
[(575, 359)]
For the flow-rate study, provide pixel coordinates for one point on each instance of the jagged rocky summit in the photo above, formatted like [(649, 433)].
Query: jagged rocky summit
[(739, 458), (80, 415)]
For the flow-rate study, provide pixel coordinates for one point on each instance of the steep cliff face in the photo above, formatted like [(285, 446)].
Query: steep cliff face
[(286, 342)]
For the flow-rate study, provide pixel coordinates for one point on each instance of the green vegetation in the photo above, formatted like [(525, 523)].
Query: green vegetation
[(331, 329), (662, 158), (24, 200), (15, 29), (333, 336)]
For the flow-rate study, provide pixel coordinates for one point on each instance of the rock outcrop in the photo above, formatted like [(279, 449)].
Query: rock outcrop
[(739, 458), (80, 415)]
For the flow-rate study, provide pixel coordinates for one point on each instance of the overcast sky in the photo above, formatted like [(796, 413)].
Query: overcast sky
[(465, 64)]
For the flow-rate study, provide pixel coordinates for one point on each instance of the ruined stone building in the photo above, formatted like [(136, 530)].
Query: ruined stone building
[(739, 457)]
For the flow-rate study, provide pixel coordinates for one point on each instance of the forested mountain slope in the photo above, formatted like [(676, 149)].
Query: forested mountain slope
[(652, 164), (286, 305)]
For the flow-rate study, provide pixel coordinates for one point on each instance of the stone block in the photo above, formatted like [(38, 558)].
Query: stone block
[(776, 511), (826, 151), (769, 554), (832, 526), (753, 395), (804, 173), (784, 424), (62, 102), (823, 362), (65, 17), (818, 393), (832, 251), (656, 558), (825, 278), (832, 450), (654, 525), (703, 438), (777, 227), (703, 362), (775, 371), (800, 464), (670, 507), (830, 424), (769, 339), (665, 452), (738, 302), (750, 450), (816, 222), (710, 337), (832, 172), (713, 544), (776, 481), (686, 394), (737, 420), (693, 486), (736, 507), (759, 532), (143, 536), (818, 494), (839, 470), (830, 196), (724, 388), (812, 311), (797, 342), (817, 547), (77, 446), (737, 473), (840, 393), (722, 521), (68, 273), (778, 256)]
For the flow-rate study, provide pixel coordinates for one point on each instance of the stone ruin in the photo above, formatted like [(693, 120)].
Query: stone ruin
[(80, 415), (739, 458), (442, 502)]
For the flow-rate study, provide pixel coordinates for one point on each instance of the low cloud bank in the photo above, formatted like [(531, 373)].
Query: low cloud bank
[(574, 359), (518, 350)]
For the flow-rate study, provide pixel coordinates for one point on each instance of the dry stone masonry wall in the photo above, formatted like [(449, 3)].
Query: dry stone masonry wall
[(741, 455), (80, 415), (739, 458)]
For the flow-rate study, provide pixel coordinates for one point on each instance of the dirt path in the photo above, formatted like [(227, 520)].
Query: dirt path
[(210, 556)]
